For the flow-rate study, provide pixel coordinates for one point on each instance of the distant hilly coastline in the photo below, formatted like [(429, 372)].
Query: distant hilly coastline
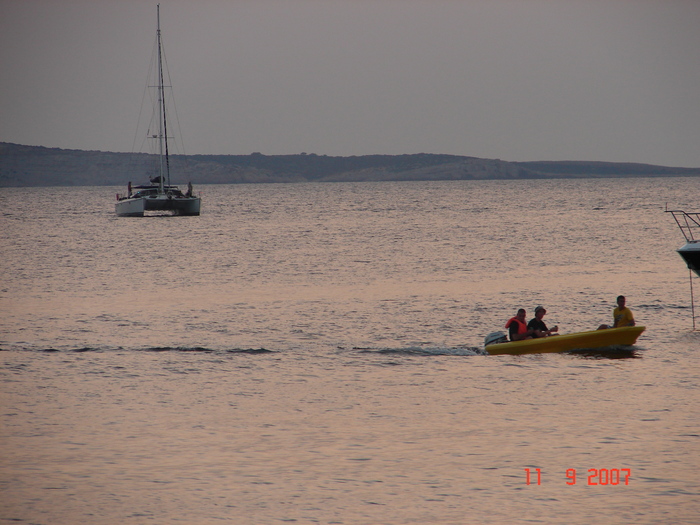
[(27, 166)]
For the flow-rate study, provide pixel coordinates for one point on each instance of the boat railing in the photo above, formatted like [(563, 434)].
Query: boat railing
[(689, 224)]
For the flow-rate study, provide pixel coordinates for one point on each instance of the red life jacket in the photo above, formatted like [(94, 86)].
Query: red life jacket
[(522, 327)]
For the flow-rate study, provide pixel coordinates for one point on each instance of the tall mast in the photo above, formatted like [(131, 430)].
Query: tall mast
[(162, 117), (161, 106)]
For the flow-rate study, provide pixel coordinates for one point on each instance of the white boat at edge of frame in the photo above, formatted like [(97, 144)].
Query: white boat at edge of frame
[(689, 224)]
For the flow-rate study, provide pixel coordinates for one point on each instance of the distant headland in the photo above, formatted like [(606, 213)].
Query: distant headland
[(26, 166)]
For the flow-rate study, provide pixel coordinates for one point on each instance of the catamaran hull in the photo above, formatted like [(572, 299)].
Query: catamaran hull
[(626, 336), (130, 207), (138, 206)]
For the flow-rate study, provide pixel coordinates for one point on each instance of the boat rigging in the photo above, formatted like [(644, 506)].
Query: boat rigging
[(160, 195)]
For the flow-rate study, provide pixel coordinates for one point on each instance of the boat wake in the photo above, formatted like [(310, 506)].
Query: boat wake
[(202, 350), (427, 351), (151, 349)]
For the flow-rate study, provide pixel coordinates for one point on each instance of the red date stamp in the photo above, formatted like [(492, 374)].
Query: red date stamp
[(602, 476)]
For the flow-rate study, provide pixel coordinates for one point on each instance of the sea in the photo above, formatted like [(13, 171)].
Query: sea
[(313, 353)]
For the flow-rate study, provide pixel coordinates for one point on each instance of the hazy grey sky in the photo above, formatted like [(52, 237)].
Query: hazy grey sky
[(609, 80)]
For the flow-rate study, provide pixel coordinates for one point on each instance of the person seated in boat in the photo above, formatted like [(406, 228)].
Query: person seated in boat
[(622, 316), (537, 326), (517, 329)]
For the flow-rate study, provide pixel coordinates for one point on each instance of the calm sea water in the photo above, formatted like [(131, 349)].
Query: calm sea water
[(313, 353)]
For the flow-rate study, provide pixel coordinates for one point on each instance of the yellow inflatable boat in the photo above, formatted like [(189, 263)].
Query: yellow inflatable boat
[(563, 343)]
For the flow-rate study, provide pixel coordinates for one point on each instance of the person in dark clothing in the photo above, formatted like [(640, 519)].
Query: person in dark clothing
[(537, 326)]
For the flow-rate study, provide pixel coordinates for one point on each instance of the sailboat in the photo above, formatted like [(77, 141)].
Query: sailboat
[(159, 195)]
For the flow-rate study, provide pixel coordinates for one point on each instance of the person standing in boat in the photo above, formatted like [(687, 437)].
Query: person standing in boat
[(537, 326), (517, 329), (622, 316)]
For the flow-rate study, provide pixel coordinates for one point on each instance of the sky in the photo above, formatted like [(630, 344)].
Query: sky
[(517, 80)]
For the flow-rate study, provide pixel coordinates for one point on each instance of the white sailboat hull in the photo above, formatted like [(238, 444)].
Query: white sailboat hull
[(130, 207), (137, 206)]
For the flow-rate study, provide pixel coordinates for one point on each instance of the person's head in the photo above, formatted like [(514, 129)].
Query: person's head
[(621, 301), (539, 312), (521, 314)]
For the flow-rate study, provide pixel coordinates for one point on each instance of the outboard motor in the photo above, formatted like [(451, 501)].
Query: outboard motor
[(495, 338)]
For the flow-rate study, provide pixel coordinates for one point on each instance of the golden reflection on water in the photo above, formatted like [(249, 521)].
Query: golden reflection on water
[(126, 396), (351, 436)]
